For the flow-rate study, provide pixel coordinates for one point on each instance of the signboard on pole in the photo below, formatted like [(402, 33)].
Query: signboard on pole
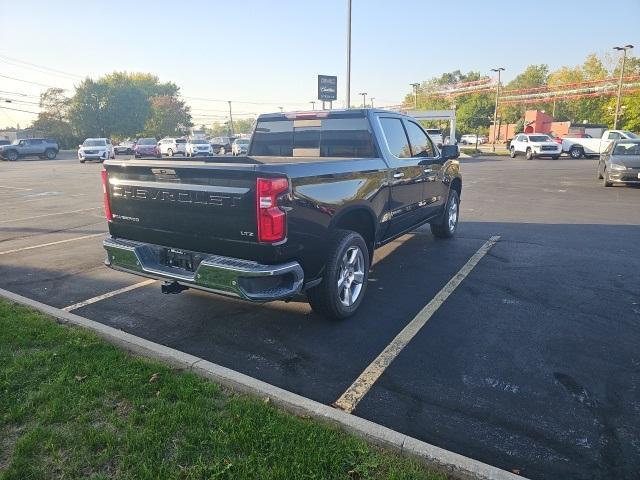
[(327, 88)]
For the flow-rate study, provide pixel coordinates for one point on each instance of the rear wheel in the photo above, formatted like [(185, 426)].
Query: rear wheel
[(576, 152), (50, 154), (170, 152), (605, 179), (345, 277), (448, 223), (82, 161)]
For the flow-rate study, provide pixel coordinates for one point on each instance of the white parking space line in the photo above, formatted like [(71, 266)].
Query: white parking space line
[(358, 389), (15, 250), (49, 215), (104, 296), (15, 188)]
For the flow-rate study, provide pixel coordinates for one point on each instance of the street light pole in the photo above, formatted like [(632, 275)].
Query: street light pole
[(495, 111), (313, 104), (624, 59), (231, 119), (349, 55), (364, 99), (415, 95), (281, 109), (371, 100)]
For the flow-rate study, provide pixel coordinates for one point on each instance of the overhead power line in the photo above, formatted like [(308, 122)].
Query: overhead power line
[(29, 81), (42, 67), (18, 110)]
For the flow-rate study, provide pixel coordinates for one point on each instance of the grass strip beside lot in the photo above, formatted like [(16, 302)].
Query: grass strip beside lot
[(74, 406)]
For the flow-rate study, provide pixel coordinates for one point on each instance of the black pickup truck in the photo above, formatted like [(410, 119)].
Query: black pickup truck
[(302, 212)]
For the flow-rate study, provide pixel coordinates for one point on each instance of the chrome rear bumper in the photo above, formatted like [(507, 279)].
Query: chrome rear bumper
[(213, 273)]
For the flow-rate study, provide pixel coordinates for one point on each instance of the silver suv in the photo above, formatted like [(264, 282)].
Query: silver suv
[(30, 147)]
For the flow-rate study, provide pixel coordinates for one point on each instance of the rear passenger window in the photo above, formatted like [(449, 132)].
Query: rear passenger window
[(421, 145), (396, 137), (318, 137)]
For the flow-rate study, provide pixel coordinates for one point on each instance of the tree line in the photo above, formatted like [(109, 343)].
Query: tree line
[(119, 105), (474, 111)]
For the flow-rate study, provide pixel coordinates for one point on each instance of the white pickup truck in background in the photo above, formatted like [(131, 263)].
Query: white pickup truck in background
[(585, 147)]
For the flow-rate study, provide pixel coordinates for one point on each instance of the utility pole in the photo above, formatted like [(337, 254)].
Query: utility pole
[(313, 104), (624, 59), (495, 111), (364, 99), (415, 95), (231, 119), (281, 109), (349, 55), (371, 100)]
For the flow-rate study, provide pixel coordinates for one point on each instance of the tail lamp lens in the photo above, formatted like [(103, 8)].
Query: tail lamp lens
[(105, 192), (272, 220)]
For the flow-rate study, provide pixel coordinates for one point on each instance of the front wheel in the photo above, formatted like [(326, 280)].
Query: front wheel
[(555, 157), (512, 152), (529, 155), (345, 277), (605, 179), (50, 154), (448, 223), (12, 156)]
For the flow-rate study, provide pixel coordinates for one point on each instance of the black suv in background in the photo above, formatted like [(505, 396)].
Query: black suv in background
[(30, 147), (221, 145)]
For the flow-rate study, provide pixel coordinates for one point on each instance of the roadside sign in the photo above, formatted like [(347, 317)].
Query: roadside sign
[(327, 88)]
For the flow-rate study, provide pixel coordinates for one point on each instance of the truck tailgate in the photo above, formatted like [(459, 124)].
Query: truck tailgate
[(191, 205)]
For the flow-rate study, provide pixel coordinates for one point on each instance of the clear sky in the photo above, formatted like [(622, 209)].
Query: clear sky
[(270, 51)]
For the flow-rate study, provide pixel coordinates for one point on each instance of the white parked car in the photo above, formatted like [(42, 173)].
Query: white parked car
[(436, 136), (99, 149), (240, 146), (173, 146), (534, 145), (197, 146), (469, 139)]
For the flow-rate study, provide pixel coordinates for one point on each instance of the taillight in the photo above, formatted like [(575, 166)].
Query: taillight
[(105, 192), (272, 220)]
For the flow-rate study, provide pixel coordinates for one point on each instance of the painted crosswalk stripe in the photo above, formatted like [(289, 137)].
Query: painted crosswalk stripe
[(104, 296), (358, 389)]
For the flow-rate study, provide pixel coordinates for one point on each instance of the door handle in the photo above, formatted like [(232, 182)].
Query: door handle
[(427, 170), (398, 175)]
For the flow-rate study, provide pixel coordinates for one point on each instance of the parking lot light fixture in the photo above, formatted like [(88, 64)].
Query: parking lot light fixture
[(624, 59), (371, 101), (415, 95), (364, 99), (313, 104), (495, 111)]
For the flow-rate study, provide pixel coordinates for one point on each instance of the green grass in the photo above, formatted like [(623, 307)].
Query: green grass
[(73, 406)]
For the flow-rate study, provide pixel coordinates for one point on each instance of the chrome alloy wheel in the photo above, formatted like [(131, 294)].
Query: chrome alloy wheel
[(453, 214), (351, 276)]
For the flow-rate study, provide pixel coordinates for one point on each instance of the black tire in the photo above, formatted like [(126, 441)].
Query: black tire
[(576, 153), (327, 298), (598, 174), (50, 153), (605, 179), (11, 155), (555, 157), (222, 151), (82, 161), (170, 152), (446, 227), (529, 155), (512, 152)]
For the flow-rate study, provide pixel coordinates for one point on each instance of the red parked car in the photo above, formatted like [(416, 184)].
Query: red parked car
[(146, 147)]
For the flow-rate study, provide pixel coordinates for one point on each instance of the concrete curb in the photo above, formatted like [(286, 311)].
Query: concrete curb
[(453, 464)]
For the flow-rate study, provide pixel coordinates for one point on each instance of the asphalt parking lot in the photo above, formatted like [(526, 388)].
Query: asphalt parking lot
[(532, 364)]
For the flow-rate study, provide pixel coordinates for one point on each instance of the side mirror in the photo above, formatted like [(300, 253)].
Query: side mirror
[(449, 152)]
